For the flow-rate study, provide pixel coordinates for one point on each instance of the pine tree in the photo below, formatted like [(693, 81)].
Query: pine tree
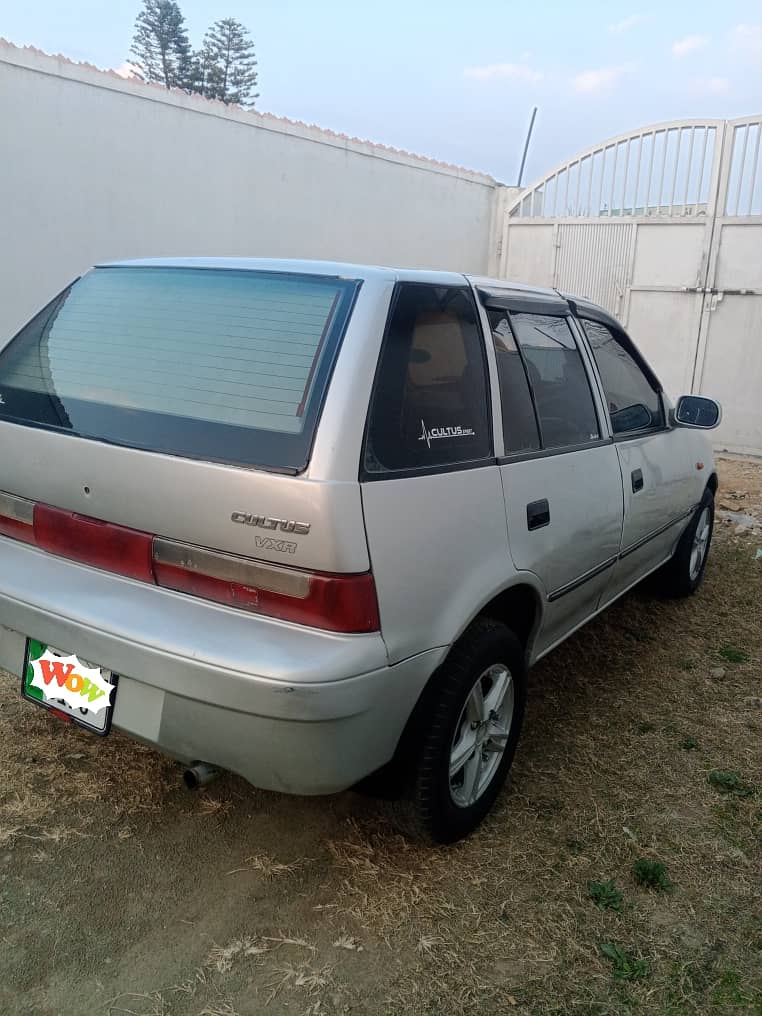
[(227, 57), (201, 71), (160, 47)]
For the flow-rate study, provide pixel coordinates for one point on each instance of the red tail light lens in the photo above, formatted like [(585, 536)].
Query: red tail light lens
[(339, 603), (16, 530), (101, 544)]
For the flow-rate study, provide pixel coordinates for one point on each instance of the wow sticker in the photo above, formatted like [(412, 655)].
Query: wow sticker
[(64, 677)]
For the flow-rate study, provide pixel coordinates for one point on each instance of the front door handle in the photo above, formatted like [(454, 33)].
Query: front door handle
[(538, 514), (637, 480)]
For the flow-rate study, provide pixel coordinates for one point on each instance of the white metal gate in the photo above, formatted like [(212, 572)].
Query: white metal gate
[(663, 227)]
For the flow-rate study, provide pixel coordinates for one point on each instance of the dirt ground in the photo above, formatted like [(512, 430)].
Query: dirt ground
[(120, 892)]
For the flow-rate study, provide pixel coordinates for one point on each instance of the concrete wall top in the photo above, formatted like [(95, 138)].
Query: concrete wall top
[(44, 63)]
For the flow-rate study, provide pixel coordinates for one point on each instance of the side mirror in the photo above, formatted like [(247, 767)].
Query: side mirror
[(697, 411)]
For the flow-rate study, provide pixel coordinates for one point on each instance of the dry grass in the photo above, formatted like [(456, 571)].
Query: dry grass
[(642, 743), (741, 486), (134, 777), (268, 866), (302, 977)]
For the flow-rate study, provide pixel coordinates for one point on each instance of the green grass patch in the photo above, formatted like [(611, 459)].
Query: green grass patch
[(605, 895), (625, 966), (689, 744), (729, 783), (652, 875), (733, 655), (730, 992)]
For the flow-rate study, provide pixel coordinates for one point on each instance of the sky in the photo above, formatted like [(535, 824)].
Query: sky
[(457, 81)]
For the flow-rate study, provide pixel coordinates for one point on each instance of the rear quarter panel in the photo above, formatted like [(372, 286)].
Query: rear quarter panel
[(439, 552)]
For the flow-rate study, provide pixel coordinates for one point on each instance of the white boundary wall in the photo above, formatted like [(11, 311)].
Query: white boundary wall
[(94, 167)]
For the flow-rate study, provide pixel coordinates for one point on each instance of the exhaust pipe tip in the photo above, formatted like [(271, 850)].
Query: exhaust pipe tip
[(199, 775)]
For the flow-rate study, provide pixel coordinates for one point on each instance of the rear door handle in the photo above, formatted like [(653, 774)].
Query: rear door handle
[(637, 480), (538, 514)]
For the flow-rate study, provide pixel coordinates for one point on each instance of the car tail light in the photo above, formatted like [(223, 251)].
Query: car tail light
[(90, 541), (339, 603)]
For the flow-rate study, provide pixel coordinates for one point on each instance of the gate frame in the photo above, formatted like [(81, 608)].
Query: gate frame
[(714, 215)]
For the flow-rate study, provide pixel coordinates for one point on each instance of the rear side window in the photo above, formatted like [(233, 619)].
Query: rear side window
[(430, 402), (559, 381), (633, 403), (225, 365)]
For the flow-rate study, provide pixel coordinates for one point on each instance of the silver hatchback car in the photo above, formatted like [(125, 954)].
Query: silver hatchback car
[(312, 522)]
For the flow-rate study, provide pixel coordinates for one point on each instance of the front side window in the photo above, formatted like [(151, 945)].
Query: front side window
[(430, 405), (558, 378), (632, 402)]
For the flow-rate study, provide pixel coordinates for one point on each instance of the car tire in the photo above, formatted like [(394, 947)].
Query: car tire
[(485, 670), (683, 574)]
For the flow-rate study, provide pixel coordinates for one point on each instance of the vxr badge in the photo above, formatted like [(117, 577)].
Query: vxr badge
[(280, 546)]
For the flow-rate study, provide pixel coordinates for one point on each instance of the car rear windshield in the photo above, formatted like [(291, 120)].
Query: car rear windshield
[(220, 364)]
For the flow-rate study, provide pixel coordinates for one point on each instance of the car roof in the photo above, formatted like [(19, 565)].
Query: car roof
[(334, 269), (340, 269)]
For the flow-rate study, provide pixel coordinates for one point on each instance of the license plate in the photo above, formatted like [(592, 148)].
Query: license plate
[(60, 681)]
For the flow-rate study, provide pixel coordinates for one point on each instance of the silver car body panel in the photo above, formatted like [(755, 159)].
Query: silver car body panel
[(572, 556), (287, 706), (656, 515), (439, 552)]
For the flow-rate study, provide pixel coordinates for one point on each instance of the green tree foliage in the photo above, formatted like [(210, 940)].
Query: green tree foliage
[(202, 71), (225, 66), (160, 47)]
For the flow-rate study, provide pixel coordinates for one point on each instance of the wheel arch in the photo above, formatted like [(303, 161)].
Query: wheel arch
[(519, 606)]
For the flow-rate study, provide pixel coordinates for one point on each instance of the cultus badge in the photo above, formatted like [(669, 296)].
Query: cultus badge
[(265, 522)]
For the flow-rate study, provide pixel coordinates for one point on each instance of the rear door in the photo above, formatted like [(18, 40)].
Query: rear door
[(560, 471), (658, 473), (431, 490)]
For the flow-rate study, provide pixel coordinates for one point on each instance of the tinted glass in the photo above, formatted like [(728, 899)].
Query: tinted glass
[(227, 365), (633, 404), (519, 421), (559, 380), (430, 404)]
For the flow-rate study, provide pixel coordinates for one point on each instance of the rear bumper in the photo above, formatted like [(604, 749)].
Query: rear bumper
[(290, 708)]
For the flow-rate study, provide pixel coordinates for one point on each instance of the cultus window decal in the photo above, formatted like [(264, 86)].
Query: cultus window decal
[(437, 433)]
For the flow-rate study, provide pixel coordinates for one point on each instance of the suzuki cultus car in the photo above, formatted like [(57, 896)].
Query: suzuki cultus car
[(312, 523)]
